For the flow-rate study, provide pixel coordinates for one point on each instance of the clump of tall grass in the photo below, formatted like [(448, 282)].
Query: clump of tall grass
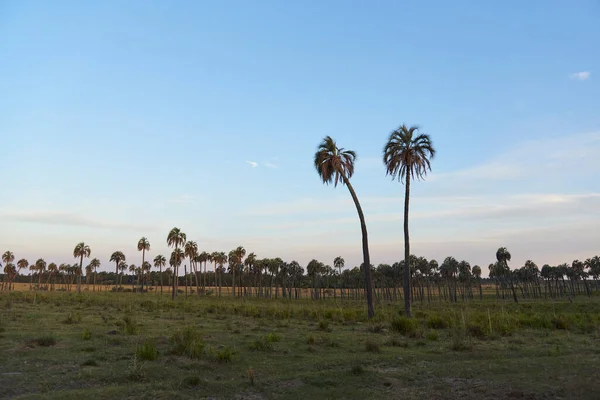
[(405, 326), (131, 326), (371, 347), (72, 318), (261, 344), (86, 334), (188, 342), (147, 351)]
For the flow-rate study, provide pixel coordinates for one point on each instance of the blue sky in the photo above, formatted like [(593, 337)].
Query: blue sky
[(122, 119)]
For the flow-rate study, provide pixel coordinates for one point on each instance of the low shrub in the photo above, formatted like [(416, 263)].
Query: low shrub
[(405, 326), (437, 322), (225, 355), (273, 337), (131, 326), (432, 335), (324, 326), (72, 319), (46, 341), (357, 369), (261, 344)]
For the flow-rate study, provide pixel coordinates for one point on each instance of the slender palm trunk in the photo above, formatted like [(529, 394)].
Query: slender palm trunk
[(407, 299), (79, 274), (142, 269), (365, 246), (174, 277)]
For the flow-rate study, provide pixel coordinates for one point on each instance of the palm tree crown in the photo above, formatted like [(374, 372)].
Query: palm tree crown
[(334, 164), (408, 152)]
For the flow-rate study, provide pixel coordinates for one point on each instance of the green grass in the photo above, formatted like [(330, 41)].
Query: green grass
[(127, 345)]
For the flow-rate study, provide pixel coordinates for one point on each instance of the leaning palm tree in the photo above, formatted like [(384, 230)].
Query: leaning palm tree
[(159, 262), (143, 246), (80, 251), (176, 239), (117, 257), (407, 155), (22, 264), (336, 165)]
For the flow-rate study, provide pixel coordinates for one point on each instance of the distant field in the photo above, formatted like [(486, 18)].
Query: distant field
[(103, 346)]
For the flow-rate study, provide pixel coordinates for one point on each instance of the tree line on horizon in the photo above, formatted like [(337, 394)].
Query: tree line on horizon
[(249, 276), (407, 156)]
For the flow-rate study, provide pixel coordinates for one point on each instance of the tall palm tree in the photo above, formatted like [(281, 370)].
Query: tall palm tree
[(203, 258), (52, 269), (95, 264), (10, 271), (159, 262), (336, 165), (143, 246), (176, 239), (503, 257), (117, 257), (81, 250), (219, 258), (249, 263), (407, 155)]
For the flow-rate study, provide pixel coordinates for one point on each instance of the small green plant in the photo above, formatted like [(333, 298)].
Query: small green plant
[(136, 371), (261, 344), (371, 347), (46, 341), (147, 351), (273, 337), (324, 326), (187, 341), (310, 340), (131, 326), (86, 334), (89, 363), (460, 339), (432, 335), (72, 318), (225, 355)]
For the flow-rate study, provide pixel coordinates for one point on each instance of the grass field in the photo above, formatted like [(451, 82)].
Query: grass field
[(107, 345)]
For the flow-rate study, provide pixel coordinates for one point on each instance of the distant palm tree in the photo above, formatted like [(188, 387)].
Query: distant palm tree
[(40, 266), (95, 264), (249, 263), (176, 239), (10, 271), (203, 258), (477, 274), (22, 264), (159, 262), (7, 258), (81, 250), (191, 252), (336, 165), (117, 257), (52, 270), (143, 246), (219, 258), (122, 269), (503, 257), (407, 155)]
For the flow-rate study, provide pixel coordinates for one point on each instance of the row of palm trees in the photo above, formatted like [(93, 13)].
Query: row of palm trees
[(451, 280)]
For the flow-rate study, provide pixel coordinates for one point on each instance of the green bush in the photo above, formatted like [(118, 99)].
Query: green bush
[(433, 335), (324, 326), (437, 322), (72, 319), (147, 351)]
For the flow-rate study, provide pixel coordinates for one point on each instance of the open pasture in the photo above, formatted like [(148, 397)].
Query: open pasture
[(126, 345)]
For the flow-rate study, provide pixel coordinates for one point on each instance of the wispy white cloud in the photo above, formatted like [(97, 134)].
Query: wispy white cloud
[(269, 164), (252, 164), (68, 219), (533, 158), (581, 76)]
